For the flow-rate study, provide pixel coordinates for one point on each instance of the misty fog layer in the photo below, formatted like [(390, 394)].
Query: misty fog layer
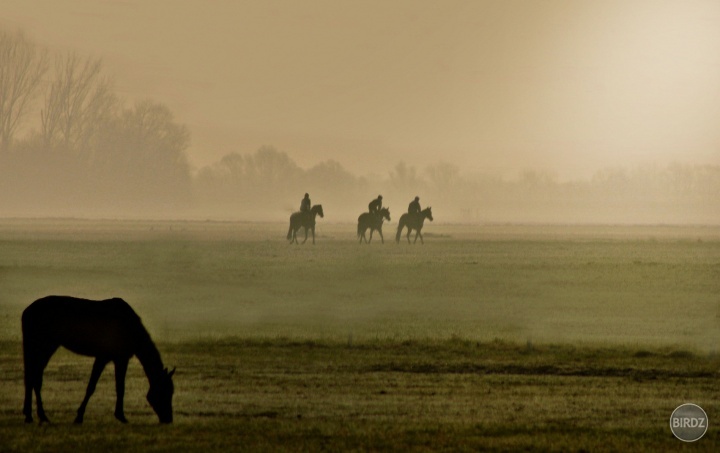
[(71, 146)]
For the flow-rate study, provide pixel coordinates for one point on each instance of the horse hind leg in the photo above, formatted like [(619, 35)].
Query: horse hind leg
[(34, 377), (27, 406), (29, 385), (97, 369)]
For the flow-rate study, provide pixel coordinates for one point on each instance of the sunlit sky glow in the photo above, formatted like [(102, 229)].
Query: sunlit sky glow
[(493, 86)]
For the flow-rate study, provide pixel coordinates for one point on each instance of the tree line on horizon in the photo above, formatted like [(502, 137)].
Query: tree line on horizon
[(70, 146)]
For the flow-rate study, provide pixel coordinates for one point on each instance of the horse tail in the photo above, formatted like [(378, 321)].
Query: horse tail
[(401, 225)]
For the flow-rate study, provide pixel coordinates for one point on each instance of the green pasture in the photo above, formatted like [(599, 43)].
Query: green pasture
[(486, 337)]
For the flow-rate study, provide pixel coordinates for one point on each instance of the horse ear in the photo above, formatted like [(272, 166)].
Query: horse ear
[(172, 372)]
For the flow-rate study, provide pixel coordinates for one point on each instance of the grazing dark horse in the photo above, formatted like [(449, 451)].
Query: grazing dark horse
[(304, 220), (108, 330), (413, 222), (373, 221)]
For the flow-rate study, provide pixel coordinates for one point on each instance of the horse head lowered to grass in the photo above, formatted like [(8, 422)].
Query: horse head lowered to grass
[(108, 330)]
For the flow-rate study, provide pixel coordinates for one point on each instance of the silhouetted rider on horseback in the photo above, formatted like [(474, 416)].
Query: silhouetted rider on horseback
[(414, 207), (375, 205), (305, 205)]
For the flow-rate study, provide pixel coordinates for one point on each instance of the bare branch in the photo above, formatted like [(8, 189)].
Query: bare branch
[(78, 102), (22, 66)]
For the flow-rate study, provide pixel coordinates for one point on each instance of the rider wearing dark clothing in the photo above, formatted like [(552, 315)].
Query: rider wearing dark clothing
[(375, 205), (414, 206), (305, 204)]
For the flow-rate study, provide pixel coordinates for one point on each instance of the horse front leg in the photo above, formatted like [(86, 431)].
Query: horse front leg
[(408, 234), (121, 366), (306, 235), (382, 239), (97, 370), (313, 234), (372, 230)]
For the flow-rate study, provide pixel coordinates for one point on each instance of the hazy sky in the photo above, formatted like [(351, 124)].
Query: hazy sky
[(494, 86)]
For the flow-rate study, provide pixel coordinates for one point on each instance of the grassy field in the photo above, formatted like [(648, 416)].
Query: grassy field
[(486, 337)]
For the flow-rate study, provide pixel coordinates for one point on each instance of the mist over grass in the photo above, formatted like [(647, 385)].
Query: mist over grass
[(193, 280)]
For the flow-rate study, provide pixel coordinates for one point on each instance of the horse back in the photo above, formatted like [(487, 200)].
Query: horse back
[(299, 219), (94, 328)]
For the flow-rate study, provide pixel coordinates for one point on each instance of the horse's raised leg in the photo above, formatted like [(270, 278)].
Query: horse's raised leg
[(97, 370), (421, 237), (121, 366), (306, 235)]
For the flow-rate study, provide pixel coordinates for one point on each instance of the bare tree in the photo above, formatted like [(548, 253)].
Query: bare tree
[(80, 100), (22, 66)]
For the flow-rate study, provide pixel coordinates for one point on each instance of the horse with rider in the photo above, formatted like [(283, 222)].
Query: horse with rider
[(413, 220), (305, 218), (373, 219)]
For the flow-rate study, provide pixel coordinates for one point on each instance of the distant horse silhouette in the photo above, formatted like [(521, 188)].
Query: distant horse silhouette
[(373, 221), (304, 220), (108, 330), (413, 222)]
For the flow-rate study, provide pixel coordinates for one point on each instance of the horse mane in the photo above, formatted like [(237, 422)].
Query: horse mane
[(147, 353)]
